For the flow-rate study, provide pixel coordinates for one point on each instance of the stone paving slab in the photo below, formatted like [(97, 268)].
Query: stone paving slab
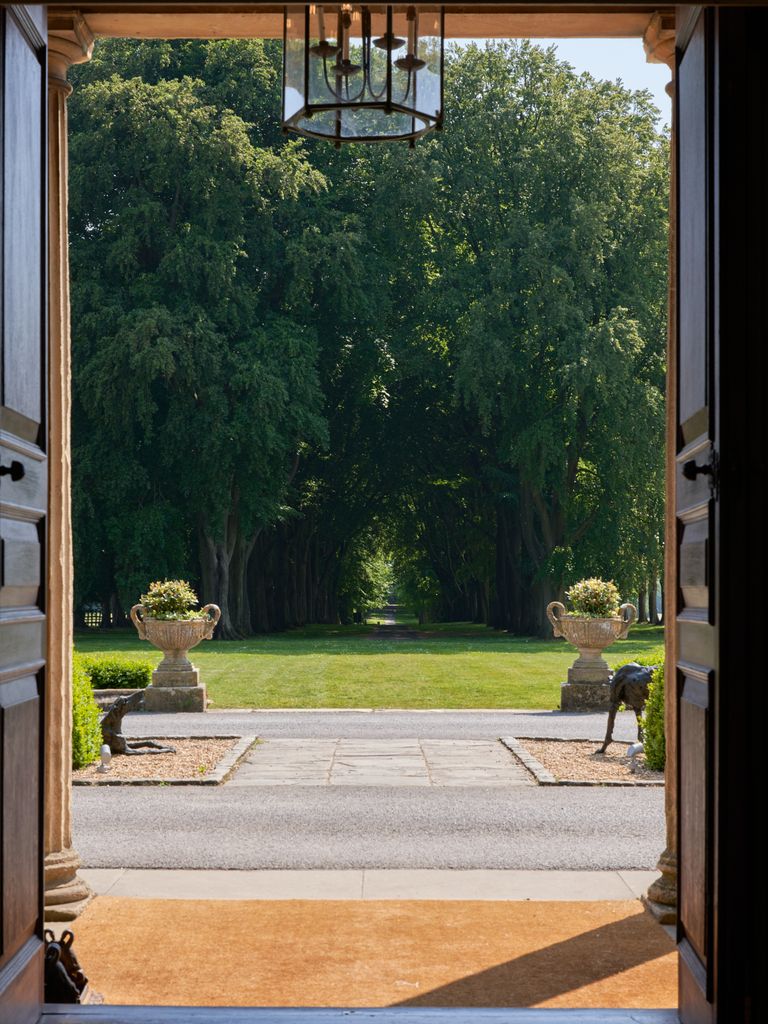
[(376, 762), (369, 884)]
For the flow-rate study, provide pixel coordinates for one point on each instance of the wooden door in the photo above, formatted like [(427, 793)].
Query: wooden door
[(696, 674), (722, 97), (23, 503)]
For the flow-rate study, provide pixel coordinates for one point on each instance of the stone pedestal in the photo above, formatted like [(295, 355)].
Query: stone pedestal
[(589, 684), (584, 695), (176, 691)]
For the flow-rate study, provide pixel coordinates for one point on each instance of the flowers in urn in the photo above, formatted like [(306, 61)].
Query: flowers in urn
[(170, 601), (596, 620), (594, 598)]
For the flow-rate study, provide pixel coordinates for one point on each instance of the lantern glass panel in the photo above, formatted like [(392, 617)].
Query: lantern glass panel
[(365, 73)]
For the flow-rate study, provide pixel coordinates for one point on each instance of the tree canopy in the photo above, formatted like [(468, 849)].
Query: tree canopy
[(295, 366)]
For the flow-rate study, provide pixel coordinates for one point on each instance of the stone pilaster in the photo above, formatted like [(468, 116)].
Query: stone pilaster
[(661, 899), (65, 894)]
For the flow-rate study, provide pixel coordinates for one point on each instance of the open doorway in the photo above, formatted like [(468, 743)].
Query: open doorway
[(382, 384), (721, 171)]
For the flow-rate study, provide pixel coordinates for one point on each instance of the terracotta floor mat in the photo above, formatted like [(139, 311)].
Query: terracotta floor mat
[(369, 953)]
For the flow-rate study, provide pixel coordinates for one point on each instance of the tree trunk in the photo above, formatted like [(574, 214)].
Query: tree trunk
[(238, 585), (215, 563)]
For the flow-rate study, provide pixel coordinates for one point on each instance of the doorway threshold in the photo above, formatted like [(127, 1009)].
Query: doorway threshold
[(320, 1015)]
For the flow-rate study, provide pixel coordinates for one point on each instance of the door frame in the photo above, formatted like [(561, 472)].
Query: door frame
[(739, 404)]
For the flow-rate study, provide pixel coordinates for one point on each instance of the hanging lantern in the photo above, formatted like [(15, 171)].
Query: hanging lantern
[(354, 73)]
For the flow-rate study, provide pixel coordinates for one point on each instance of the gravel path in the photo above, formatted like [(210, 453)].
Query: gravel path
[(384, 724), (580, 760), (377, 827), (193, 759)]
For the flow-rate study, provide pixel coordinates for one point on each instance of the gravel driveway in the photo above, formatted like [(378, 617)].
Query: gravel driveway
[(353, 827), (384, 724)]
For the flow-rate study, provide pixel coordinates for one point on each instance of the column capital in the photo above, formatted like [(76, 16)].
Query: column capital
[(70, 41), (659, 40), (659, 43)]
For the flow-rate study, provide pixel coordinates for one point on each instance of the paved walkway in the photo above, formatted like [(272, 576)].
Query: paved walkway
[(369, 884), (377, 762)]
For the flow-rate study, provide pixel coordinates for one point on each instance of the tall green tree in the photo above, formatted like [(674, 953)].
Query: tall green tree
[(190, 373), (289, 358), (549, 260)]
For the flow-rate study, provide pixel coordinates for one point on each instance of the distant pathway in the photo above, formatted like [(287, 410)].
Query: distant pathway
[(389, 629)]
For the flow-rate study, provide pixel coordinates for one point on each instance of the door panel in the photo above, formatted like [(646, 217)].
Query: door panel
[(23, 506), (693, 413), (719, 683), (696, 498), (22, 285)]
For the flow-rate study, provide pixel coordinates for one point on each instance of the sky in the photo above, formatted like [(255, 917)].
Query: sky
[(617, 58)]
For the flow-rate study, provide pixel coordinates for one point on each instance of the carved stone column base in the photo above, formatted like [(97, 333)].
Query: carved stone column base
[(661, 898), (66, 895)]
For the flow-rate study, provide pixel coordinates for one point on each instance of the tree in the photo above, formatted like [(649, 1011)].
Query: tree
[(289, 359), (189, 372), (549, 248)]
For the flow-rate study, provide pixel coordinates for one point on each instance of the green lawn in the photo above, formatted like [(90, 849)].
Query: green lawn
[(344, 667)]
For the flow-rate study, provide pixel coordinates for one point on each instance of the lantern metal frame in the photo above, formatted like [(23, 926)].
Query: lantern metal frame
[(422, 122)]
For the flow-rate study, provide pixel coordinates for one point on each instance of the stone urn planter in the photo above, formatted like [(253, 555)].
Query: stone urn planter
[(589, 678), (175, 682)]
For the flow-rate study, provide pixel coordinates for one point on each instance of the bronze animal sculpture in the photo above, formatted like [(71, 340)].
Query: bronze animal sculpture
[(112, 724), (629, 686)]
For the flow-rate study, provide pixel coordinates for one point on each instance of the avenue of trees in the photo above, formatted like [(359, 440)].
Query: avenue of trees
[(297, 370)]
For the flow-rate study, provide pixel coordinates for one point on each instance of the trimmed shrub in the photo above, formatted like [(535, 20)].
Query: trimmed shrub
[(594, 598), (112, 673), (654, 745), (170, 600), (654, 657), (86, 731)]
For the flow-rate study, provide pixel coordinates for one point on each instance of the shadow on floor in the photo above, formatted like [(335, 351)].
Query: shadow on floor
[(534, 978)]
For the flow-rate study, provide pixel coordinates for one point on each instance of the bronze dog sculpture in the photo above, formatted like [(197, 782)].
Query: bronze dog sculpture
[(112, 725), (629, 686), (64, 978)]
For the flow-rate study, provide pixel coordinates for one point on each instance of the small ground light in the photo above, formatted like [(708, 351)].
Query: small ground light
[(106, 757), (632, 751)]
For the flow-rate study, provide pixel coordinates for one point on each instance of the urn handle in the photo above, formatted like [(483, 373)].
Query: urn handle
[(139, 622), (214, 614), (629, 615), (555, 609)]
